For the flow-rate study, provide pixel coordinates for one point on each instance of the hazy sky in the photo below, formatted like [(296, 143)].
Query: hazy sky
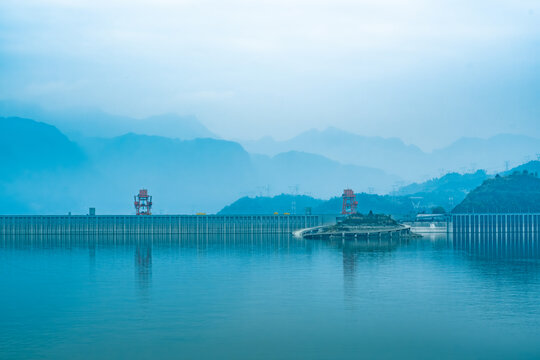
[(426, 71)]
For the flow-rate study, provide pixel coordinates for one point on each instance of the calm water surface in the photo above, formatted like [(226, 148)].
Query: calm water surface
[(269, 297)]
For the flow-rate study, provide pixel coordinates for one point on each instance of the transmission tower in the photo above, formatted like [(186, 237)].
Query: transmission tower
[(294, 193), (264, 190), (416, 201)]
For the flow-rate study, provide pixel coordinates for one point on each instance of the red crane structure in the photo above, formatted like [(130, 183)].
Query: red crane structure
[(349, 202), (143, 203)]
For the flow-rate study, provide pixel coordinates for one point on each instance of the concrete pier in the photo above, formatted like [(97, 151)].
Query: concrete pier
[(155, 224), (322, 232)]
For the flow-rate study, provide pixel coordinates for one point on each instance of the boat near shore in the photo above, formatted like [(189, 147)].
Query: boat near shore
[(358, 226)]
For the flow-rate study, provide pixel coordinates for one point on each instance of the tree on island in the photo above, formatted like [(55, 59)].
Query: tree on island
[(438, 210)]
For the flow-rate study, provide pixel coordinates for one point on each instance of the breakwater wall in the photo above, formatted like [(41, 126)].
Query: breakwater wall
[(495, 223), (155, 224)]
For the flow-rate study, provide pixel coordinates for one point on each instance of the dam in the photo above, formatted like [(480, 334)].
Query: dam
[(495, 223), (155, 224), (233, 224)]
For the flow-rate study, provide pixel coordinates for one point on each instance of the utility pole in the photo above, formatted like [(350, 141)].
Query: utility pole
[(294, 193)]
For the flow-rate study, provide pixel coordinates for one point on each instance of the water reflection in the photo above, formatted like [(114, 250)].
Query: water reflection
[(501, 259), (357, 250), (209, 296), (501, 246), (203, 243), (143, 265), (142, 247), (493, 255)]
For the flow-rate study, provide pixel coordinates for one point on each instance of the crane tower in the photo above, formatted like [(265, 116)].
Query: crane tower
[(349, 202), (143, 203)]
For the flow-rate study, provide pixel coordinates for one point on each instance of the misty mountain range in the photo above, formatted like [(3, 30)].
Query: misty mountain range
[(451, 192), (92, 159), (92, 122), (407, 161), (46, 172)]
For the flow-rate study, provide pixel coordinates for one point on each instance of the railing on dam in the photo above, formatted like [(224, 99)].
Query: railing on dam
[(495, 223), (156, 224)]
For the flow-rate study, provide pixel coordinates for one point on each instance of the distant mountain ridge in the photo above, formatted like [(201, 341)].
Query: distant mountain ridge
[(184, 176), (390, 155), (268, 205), (58, 176), (532, 167), (406, 161), (37, 160), (319, 175), (92, 122), (490, 154), (444, 191), (385, 204), (26, 144), (449, 182), (46, 172), (516, 193)]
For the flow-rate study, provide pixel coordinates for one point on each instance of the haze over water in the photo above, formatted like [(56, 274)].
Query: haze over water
[(269, 297)]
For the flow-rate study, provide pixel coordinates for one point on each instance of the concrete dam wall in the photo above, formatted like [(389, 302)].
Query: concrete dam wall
[(495, 223), (155, 224)]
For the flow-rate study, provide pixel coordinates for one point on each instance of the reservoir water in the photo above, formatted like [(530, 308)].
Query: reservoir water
[(269, 297)]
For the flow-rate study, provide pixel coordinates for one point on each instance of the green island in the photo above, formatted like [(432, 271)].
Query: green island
[(518, 192), (359, 226)]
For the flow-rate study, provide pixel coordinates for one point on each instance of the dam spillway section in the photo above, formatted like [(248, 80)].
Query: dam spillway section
[(155, 224), (495, 223)]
